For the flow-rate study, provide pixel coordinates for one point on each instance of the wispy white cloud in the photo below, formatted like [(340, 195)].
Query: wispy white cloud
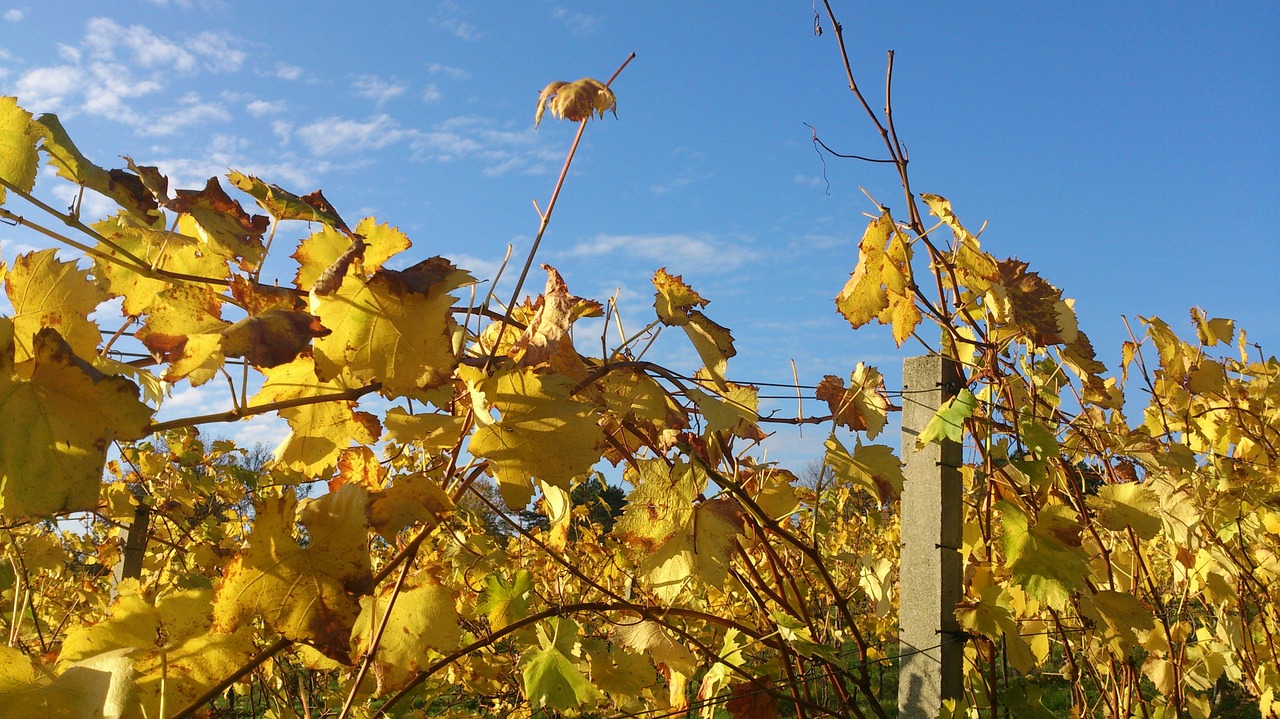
[(454, 73), (334, 135), (482, 268), (265, 429), (262, 108), (675, 250), (578, 23), (229, 152), (106, 39), (191, 110), (282, 130), (497, 148), (285, 71), (692, 161), (431, 93), (501, 149), (449, 19), (461, 29), (218, 51), (48, 89), (378, 89), (114, 66), (13, 15)]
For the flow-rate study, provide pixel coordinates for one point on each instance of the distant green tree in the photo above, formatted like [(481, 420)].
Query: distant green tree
[(603, 502)]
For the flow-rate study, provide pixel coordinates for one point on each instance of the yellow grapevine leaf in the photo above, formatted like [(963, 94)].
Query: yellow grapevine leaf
[(734, 408), (547, 339), (320, 430), (975, 270), (131, 622), (158, 248), (621, 673), (17, 673), (873, 469), (46, 292), (126, 189), (186, 669), (396, 327), (429, 431), (633, 396), (674, 299), (18, 158), (772, 489), (638, 413), (880, 286), (359, 465), (992, 616), (1117, 506), (223, 224), (411, 499), (676, 303), (52, 451), (306, 594), (940, 207), (318, 252), (651, 639), (864, 406), (423, 619), (284, 205), (575, 101), (169, 645), (184, 329), (1214, 331), (678, 541), (1123, 615), (331, 279), (99, 686), (713, 343), (543, 434)]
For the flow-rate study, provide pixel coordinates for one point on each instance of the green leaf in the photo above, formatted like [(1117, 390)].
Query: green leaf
[(948, 423), (551, 680), (1045, 558), (505, 602)]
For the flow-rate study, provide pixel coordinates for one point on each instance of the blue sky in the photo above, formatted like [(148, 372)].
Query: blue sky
[(1128, 152)]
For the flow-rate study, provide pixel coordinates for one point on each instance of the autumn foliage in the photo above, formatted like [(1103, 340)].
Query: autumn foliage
[(152, 572)]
